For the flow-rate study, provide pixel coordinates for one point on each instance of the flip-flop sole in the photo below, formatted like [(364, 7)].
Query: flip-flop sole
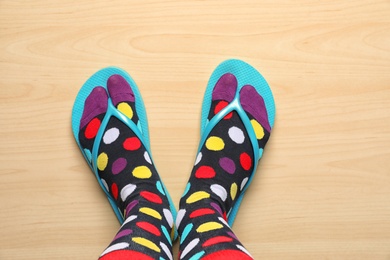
[(245, 75), (100, 79)]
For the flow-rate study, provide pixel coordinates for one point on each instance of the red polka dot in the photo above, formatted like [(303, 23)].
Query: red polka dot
[(221, 105), (149, 227), (227, 254), (125, 254), (201, 212), (152, 197), (245, 161), (132, 144), (114, 190), (205, 172), (92, 128), (217, 240), (224, 215)]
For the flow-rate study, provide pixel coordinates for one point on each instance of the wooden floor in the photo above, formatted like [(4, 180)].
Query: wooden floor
[(322, 190)]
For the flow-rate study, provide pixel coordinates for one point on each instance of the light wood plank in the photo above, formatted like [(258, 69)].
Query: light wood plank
[(322, 189)]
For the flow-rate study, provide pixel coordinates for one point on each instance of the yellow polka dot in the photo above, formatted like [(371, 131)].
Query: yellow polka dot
[(172, 233), (150, 212), (215, 143), (208, 226), (146, 243), (142, 172), (199, 195), (102, 161), (126, 109), (233, 190), (259, 130)]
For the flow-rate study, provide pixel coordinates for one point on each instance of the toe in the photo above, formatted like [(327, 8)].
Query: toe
[(226, 88), (253, 103), (119, 90), (95, 104)]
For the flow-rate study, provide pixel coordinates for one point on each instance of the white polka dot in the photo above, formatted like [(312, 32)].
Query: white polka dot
[(115, 247), (244, 181), (129, 219), (243, 250), (179, 217), (147, 157), (219, 191), (127, 190), (104, 184), (236, 135), (166, 250), (111, 135), (189, 247), (198, 158), (223, 222), (168, 217)]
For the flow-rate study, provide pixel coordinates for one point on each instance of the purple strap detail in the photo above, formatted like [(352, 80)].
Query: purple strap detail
[(119, 90), (253, 103), (94, 105), (225, 88)]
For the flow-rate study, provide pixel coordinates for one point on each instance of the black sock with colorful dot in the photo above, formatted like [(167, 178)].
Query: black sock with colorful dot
[(127, 172), (222, 169)]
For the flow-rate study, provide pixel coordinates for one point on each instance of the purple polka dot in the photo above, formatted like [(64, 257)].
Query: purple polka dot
[(216, 207), (232, 235), (227, 164), (118, 165), (130, 206), (123, 233)]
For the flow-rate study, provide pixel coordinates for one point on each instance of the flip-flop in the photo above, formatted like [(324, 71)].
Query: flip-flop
[(246, 75), (141, 129)]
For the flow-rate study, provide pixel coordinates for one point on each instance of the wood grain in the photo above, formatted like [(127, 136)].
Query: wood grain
[(323, 187)]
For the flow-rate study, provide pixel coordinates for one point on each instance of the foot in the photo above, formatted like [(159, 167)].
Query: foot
[(222, 169), (126, 170)]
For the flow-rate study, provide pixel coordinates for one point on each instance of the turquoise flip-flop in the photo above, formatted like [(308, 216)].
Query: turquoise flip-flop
[(141, 129), (246, 75)]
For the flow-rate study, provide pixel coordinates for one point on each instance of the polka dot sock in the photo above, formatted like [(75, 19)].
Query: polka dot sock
[(222, 169), (127, 172)]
